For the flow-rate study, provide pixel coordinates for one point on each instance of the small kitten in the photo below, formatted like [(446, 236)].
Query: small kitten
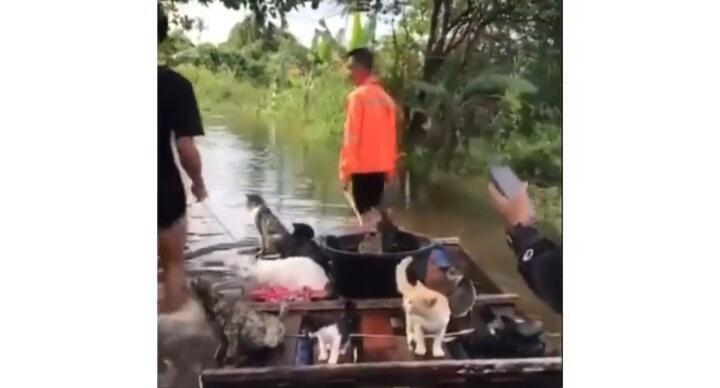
[(333, 336), (241, 329), (293, 273), (371, 243), (383, 240), (274, 237), (302, 233), (426, 310)]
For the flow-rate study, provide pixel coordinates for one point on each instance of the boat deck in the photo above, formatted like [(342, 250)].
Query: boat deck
[(383, 357)]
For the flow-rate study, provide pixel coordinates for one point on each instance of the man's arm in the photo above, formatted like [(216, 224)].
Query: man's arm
[(186, 125), (539, 259), (539, 263), (190, 158), (351, 138)]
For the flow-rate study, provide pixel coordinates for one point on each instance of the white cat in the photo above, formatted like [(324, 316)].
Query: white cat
[(293, 273), (426, 311)]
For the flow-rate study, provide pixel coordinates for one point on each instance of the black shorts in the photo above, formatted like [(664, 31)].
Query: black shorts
[(367, 190), (171, 202)]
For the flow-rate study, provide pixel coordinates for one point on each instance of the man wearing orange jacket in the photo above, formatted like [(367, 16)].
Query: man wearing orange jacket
[(369, 150)]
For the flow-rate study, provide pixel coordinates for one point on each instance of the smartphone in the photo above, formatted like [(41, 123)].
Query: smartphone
[(505, 180)]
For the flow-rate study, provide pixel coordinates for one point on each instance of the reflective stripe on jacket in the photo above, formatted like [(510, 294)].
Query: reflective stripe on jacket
[(370, 139)]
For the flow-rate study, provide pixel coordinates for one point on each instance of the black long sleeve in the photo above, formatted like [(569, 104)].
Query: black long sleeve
[(539, 263)]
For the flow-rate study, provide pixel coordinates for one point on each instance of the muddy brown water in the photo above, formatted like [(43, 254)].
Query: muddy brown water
[(301, 186)]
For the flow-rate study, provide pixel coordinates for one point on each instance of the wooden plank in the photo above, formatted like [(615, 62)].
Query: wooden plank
[(377, 349), (402, 352), (447, 240), (388, 373), (366, 304)]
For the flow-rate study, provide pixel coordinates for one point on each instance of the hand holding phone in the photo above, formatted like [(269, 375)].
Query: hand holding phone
[(506, 181), (509, 196)]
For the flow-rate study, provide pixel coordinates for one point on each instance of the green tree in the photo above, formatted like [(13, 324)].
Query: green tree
[(244, 33), (175, 43), (261, 9), (200, 26)]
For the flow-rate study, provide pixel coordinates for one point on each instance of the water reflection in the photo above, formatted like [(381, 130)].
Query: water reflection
[(237, 164)]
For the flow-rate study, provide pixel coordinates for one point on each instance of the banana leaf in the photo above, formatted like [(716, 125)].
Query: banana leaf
[(357, 35)]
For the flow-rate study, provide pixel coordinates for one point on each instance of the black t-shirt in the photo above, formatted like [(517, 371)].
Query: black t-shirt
[(178, 114)]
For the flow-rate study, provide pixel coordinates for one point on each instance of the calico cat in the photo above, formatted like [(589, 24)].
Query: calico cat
[(274, 237), (240, 329), (293, 273), (459, 290), (462, 295), (333, 336), (426, 311)]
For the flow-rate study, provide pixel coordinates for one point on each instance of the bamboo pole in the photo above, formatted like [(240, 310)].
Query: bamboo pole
[(351, 201)]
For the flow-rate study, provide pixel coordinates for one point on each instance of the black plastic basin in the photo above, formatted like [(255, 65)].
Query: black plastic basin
[(363, 275)]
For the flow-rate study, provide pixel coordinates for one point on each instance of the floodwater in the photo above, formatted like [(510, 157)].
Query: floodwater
[(301, 186)]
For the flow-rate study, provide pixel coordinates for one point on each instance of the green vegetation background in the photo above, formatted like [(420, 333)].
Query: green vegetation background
[(501, 100)]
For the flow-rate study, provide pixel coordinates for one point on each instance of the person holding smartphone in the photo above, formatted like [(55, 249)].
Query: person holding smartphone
[(539, 259)]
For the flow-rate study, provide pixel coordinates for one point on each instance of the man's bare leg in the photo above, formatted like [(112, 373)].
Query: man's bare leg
[(171, 245)]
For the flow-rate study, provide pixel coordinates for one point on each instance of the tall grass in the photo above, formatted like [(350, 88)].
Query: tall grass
[(320, 106), (220, 93)]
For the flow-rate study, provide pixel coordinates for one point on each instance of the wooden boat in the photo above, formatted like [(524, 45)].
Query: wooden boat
[(384, 358)]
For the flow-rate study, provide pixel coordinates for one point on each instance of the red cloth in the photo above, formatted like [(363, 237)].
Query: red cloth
[(281, 294)]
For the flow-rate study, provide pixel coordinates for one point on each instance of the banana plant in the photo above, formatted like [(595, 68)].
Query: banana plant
[(362, 36), (357, 35), (455, 110), (448, 99), (325, 46)]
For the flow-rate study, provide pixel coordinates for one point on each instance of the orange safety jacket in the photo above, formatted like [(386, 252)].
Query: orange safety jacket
[(370, 137)]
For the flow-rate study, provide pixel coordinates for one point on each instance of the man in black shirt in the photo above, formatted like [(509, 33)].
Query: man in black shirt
[(178, 120), (539, 259)]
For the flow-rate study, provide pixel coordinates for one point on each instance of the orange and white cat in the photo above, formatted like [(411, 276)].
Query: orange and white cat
[(426, 311)]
